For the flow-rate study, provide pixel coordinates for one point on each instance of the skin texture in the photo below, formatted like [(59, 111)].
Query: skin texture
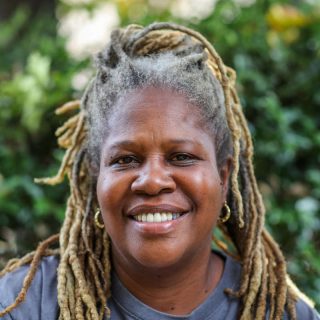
[(157, 157)]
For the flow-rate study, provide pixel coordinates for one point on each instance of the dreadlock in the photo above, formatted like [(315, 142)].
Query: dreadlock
[(170, 55)]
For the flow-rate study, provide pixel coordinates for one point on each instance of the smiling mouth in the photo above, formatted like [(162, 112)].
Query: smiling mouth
[(157, 217)]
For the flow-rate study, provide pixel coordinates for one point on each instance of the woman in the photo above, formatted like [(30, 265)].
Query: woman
[(158, 156)]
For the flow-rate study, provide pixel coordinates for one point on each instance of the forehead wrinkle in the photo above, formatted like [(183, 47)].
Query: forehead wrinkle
[(123, 144), (167, 144), (153, 137)]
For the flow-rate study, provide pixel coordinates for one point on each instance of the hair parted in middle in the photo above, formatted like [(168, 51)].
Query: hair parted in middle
[(168, 56)]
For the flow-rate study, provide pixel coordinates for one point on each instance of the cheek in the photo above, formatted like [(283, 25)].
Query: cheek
[(207, 196), (110, 192), (109, 199), (204, 184)]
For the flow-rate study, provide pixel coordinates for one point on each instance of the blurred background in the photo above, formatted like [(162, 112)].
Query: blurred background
[(46, 50)]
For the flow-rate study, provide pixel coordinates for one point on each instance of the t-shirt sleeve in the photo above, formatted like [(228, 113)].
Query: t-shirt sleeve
[(306, 312), (41, 298)]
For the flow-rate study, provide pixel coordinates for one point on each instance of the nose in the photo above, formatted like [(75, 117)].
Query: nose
[(153, 178)]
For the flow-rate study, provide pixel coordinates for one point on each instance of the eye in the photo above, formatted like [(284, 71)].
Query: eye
[(183, 159), (125, 161)]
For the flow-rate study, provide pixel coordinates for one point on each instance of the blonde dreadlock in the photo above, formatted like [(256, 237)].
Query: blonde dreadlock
[(84, 269)]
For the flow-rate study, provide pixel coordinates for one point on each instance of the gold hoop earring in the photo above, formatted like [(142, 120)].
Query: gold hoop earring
[(96, 219), (227, 214)]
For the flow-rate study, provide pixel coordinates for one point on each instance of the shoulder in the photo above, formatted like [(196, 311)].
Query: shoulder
[(232, 271), (232, 278), (304, 311), (41, 298)]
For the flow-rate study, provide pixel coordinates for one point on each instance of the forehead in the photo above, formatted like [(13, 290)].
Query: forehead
[(154, 106), (157, 119)]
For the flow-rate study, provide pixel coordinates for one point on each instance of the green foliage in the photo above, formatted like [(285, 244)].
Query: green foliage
[(29, 89), (35, 79), (275, 49)]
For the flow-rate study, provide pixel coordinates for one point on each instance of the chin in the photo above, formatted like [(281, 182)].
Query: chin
[(158, 257)]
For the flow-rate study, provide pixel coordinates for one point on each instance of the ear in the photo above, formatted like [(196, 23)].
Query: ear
[(225, 172)]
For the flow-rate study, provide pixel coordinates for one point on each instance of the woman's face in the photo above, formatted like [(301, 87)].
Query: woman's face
[(159, 188)]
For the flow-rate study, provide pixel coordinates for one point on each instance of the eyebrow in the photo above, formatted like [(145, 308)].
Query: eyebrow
[(122, 144), (132, 143)]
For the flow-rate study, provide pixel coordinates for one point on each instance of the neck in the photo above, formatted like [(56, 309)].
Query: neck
[(176, 290)]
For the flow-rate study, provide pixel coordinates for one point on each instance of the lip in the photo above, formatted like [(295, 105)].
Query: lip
[(156, 228), (152, 229), (140, 209)]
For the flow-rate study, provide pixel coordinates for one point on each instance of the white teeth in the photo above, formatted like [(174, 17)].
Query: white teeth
[(149, 217), (164, 217), (156, 217)]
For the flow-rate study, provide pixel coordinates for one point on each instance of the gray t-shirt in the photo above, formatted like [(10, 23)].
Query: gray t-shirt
[(41, 299)]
